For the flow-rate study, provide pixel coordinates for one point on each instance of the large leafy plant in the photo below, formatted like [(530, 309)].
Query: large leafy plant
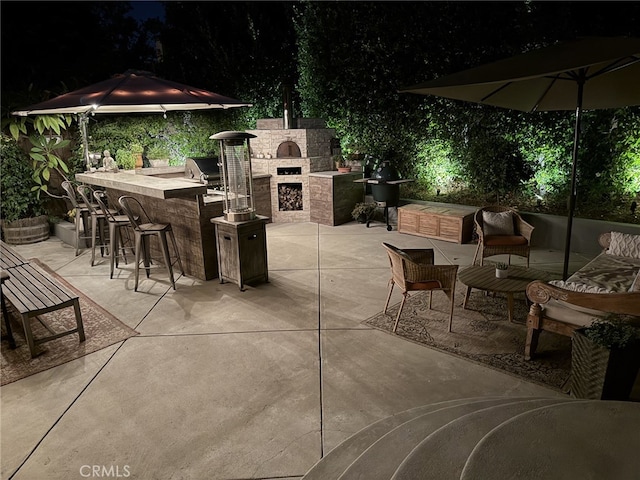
[(46, 146), (19, 197)]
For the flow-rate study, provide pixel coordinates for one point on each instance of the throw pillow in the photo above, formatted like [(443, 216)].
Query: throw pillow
[(497, 223), (624, 245)]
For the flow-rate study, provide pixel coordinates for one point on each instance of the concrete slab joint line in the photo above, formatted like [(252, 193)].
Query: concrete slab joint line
[(258, 384)]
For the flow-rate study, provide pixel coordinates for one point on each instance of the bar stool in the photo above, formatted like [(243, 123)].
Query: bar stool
[(117, 224), (144, 228), (82, 214), (98, 221)]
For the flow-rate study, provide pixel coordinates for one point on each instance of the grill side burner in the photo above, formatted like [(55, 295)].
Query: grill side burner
[(203, 169)]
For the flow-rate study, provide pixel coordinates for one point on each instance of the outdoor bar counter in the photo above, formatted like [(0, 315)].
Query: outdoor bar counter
[(187, 204)]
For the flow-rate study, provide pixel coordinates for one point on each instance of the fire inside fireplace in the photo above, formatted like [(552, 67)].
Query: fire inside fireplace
[(289, 196)]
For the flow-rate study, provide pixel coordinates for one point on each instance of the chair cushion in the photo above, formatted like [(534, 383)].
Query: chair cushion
[(504, 240), (497, 223), (624, 245)]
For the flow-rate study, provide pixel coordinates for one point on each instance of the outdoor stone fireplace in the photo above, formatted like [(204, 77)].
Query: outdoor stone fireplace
[(289, 156)]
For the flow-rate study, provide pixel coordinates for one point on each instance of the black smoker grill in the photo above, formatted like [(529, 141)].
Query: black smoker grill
[(205, 170), (385, 188)]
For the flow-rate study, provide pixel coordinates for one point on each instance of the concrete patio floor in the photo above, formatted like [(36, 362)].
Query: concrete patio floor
[(223, 384)]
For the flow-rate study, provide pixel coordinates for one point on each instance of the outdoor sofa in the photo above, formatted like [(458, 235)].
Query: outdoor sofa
[(609, 284)]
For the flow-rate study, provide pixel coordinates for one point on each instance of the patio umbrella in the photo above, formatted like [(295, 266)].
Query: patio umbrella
[(586, 73), (134, 91)]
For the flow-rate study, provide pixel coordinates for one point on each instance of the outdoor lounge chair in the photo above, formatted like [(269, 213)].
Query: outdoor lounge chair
[(413, 270), (501, 231)]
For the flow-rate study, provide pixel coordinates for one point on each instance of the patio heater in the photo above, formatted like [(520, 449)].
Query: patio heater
[(241, 242), (237, 179)]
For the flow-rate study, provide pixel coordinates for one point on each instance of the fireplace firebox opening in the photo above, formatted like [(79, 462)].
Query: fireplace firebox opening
[(289, 196)]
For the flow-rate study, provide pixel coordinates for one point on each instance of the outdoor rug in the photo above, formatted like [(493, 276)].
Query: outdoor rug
[(482, 333), (101, 329)]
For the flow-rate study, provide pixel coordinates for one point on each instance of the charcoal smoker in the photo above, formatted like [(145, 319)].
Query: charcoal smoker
[(385, 187)]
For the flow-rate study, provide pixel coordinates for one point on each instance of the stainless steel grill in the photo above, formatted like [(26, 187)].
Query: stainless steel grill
[(204, 169)]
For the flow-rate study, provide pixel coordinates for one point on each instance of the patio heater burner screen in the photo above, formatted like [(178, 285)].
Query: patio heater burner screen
[(236, 175)]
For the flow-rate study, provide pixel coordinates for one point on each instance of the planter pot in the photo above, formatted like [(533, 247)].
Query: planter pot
[(601, 373), (26, 230), (159, 162), (344, 169), (139, 160), (502, 273)]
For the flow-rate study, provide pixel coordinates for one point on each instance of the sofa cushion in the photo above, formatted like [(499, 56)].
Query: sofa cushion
[(571, 314), (609, 272), (579, 287), (624, 245), (497, 223), (635, 286)]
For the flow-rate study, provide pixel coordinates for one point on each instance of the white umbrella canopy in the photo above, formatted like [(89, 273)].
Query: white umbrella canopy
[(132, 92), (586, 73)]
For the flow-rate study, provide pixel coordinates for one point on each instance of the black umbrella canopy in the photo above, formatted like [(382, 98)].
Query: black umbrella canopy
[(549, 78), (132, 92), (591, 73)]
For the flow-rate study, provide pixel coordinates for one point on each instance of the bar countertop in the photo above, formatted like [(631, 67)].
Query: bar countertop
[(150, 186)]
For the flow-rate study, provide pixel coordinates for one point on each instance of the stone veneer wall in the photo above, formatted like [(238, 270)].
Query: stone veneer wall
[(314, 141)]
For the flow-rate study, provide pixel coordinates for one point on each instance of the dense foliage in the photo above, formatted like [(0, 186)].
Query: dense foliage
[(19, 196), (183, 134), (347, 61), (355, 56)]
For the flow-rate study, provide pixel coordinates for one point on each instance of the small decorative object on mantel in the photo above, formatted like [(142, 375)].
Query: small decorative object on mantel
[(502, 270)]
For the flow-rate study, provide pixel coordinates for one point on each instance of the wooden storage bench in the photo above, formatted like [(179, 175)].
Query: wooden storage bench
[(33, 292), (452, 224)]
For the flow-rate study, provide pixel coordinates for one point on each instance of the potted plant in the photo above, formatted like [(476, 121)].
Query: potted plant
[(136, 150), (127, 159), (605, 358), (21, 208), (158, 155), (502, 270), (362, 211), (341, 164)]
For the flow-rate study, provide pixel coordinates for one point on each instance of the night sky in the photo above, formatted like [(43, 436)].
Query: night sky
[(147, 9)]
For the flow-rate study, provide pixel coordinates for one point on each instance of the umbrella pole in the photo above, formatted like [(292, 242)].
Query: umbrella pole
[(83, 121), (572, 197)]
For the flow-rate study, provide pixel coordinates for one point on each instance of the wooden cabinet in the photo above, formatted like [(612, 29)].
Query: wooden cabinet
[(441, 223), (242, 251)]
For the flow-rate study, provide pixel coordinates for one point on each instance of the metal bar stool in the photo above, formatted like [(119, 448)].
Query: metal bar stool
[(144, 228), (82, 214), (117, 225), (98, 221)]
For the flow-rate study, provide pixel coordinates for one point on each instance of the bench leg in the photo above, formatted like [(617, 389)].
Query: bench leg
[(7, 323), (76, 308), (28, 334)]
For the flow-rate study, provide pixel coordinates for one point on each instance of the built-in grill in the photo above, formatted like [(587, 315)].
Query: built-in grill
[(205, 170)]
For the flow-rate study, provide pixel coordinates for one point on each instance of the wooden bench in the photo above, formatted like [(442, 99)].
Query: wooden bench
[(33, 292)]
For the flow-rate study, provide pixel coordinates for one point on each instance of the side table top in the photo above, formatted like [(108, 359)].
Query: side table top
[(484, 278)]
